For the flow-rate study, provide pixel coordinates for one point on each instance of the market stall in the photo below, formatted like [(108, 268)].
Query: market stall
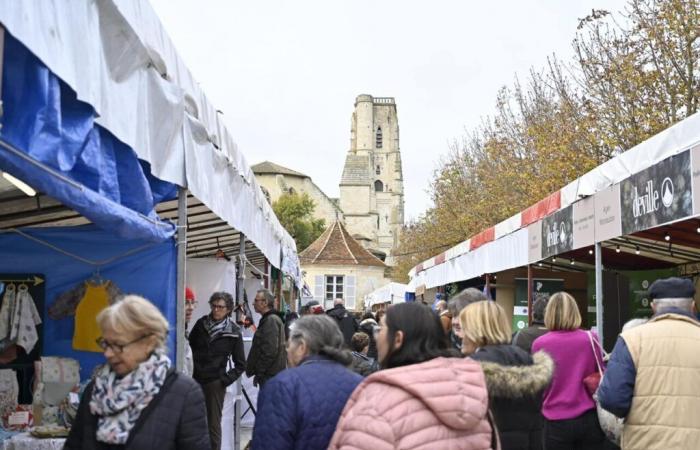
[(390, 293), (115, 169)]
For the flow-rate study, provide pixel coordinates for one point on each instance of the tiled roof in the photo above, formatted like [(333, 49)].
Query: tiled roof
[(336, 247), (270, 167), (356, 170)]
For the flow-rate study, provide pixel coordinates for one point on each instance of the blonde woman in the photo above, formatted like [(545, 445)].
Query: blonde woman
[(137, 400), (515, 380), (570, 415)]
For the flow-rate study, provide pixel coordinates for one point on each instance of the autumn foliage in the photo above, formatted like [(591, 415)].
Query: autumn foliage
[(634, 73)]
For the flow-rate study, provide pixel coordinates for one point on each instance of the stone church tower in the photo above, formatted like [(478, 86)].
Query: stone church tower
[(371, 188)]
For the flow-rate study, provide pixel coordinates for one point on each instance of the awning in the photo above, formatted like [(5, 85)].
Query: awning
[(390, 293)]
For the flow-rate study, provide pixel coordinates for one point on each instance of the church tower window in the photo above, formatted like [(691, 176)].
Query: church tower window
[(379, 186), (378, 171), (379, 137)]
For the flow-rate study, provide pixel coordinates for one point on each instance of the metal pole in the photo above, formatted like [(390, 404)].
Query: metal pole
[(239, 384), (529, 294), (2, 57), (599, 290), (181, 262)]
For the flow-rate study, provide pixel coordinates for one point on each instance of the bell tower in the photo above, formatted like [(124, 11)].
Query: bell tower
[(371, 187)]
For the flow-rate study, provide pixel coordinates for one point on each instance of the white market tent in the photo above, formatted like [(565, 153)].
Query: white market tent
[(390, 293)]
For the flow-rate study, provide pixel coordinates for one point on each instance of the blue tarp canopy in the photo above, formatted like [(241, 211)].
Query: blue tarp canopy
[(49, 139)]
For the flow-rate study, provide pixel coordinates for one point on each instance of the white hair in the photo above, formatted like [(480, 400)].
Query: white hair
[(662, 304), (338, 301)]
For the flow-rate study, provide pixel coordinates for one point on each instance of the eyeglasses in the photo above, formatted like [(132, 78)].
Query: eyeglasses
[(218, 306), (117, 348)]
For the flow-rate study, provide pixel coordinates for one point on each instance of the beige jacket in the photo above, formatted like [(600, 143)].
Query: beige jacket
[(665, 410)]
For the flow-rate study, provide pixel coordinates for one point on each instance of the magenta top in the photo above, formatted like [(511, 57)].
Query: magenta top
[(567, 397)]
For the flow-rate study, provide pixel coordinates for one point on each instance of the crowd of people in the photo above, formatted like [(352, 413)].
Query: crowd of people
[(453, 376)]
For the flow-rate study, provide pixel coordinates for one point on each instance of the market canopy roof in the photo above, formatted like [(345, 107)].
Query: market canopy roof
[(389, 293), (638, 202), (132, 89)]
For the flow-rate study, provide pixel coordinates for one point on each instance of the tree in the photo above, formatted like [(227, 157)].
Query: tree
[(629, 79), (295, 213)]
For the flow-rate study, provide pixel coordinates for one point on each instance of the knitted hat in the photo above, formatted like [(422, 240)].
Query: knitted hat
[(189, 294)]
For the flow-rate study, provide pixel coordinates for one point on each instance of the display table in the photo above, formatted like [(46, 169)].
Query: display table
[(25, 441)]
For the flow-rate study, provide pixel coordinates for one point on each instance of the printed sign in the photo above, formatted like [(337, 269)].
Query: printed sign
[(695, 161), (541, 288), (657, 195), (608, 224), (584, 222), (558, 232), (534, 242)]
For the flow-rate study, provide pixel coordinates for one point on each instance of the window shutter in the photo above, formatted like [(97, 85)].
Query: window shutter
[(350, 292), (319, 288)]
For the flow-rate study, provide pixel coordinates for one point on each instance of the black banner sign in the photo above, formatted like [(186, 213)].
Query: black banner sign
[(657, 195), (558, 232)]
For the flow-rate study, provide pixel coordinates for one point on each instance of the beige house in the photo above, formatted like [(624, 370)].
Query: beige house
[(276, 180), (337, 266)]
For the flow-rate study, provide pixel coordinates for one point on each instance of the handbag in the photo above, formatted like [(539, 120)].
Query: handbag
[(610, 424), (592, 381)]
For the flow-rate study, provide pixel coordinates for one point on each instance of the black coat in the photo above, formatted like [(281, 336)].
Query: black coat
[(525, 337), (211, 356), (516, 382), (347, 323), (367, 327), (268, 355), (175, 419)]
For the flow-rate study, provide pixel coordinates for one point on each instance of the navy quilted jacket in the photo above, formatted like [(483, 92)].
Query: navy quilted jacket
[(299, 408)]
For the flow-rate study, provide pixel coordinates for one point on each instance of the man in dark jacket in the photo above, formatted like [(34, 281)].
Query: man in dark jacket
[(215, 340), (525, 337), (268, 355), (347, 323)]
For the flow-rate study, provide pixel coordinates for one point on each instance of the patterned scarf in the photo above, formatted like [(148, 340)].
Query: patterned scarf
[(215, 328), (118, 402)]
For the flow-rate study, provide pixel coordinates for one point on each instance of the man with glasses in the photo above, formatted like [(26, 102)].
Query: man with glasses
[(268, 355), (216, 342)]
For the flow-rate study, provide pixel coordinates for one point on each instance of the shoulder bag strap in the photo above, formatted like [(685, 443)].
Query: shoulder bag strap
[(595, 354)]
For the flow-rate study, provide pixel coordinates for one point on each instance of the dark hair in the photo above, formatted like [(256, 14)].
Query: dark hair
[(423, 335), (367, 315), (538, 309), (359, 341), (225, 296), (464, 299), (322, 336)]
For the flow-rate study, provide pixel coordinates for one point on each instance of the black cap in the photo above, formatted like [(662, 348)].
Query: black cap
[(672, 288)]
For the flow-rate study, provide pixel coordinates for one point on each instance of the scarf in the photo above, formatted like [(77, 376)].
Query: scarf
[(215, 328), (118, 402)]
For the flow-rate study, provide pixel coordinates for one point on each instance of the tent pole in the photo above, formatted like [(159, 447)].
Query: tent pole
[(181, 262), (239, 384), (599, 290), (2, 57), (529, 294)]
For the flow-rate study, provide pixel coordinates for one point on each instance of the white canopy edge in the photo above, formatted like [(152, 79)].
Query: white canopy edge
[(390, 293), (673, 140), (119, 59)]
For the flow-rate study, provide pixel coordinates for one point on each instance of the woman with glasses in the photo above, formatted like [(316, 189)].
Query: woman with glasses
[(215, 339), (299, 407), (426, 396), (137, 400)]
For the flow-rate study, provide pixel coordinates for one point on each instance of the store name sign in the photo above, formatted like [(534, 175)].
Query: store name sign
[(557, 232), (660, 194)]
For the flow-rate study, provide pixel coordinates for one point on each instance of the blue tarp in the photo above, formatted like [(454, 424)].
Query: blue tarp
[(150, 272), (45, 121)]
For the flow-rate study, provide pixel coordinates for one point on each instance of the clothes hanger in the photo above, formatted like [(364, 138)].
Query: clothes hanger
[(96, 279)]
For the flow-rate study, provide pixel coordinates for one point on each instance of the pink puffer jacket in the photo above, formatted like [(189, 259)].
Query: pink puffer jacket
[(438, 404)]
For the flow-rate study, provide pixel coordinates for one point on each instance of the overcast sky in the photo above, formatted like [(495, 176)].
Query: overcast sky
[(286, 73)]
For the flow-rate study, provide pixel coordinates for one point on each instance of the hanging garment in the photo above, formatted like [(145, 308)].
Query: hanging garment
[(25, 319), (8, 303), (86, 331), (67, 302)]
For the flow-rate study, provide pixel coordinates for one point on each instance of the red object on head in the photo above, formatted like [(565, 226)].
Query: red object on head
[(189, 294), (316, 309)]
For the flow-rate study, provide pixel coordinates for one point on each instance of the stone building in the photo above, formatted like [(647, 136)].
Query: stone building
[(336, 265), (276, 180), (371, 187)]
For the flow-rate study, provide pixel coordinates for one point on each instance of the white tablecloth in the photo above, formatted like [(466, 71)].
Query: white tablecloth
[(25, 441)]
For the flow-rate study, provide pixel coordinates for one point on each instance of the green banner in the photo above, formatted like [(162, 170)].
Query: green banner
[(542, 288)]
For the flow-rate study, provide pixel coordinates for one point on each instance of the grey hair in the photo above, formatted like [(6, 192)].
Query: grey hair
[(269, 297), (322, 336), (464, 299), (338, 301), (663, 304), (225, 296)]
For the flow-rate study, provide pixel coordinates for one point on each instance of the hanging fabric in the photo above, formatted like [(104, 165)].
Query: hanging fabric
[(8, 303), (86, 331), (18, 318), (66, 303)]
